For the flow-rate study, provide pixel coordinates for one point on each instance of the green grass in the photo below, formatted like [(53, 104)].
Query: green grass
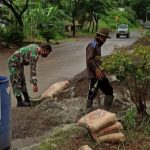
[(147, 32), (72, 137), (61, 137)]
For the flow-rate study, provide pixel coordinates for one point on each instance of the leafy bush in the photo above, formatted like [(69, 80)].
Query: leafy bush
[(52, 31), (44, 21), (133, 69), (47, 34), (13, 35)]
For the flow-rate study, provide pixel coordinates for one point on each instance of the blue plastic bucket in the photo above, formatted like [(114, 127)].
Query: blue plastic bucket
[(5, 114)]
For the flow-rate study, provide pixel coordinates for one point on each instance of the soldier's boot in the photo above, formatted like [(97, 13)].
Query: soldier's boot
[(89, 105), (21, 103), (108, 102), (26, 98)]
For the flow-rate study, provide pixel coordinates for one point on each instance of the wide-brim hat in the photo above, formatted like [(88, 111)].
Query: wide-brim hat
[(103, 32)]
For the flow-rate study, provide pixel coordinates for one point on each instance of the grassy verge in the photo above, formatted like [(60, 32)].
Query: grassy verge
[(72, 137)]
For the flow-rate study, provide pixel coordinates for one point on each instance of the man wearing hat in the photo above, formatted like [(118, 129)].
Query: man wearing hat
[(96, 76)]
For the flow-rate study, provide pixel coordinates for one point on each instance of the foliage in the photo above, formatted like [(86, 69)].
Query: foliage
[(127, 17), (12, 34), (47, 18), (133, 69), (93, 12), (4, 13), (85, 12), (18, 8), (44, 21), (140, 7), (72, 8)]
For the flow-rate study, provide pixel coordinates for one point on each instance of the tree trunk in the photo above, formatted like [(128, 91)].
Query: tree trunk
[(47, 40), (141, 110), (89, 26), (93, 26), (96, 27), (141, 107), (20, 22), (73, 27)]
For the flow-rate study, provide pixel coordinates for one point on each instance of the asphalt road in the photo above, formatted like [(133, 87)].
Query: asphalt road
[(66, 60)]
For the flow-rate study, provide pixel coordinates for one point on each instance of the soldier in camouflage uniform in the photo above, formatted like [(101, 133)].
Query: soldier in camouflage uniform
[(27, 55)]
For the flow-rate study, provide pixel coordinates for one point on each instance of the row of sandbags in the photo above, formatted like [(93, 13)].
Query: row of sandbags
[(103, 126)]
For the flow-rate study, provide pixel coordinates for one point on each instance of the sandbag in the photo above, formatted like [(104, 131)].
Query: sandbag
[(113, 137), (85, 147), (97, 120), (55, 89), (117, 126)]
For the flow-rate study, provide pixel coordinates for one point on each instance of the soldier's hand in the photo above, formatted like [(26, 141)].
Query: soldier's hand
[(35, 88), (99, 74)]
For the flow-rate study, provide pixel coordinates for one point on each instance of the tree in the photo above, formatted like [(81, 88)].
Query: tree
[(71, 7), (133, 69), (16, 9), (97, 9), (44, 20), (139, 6), (4, 15), (84, 10)]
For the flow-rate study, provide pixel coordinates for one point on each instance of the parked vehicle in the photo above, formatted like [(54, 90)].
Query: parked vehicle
[(123, 30)]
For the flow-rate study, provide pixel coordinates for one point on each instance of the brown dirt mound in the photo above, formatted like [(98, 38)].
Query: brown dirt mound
[(145, 41), (78, 87)]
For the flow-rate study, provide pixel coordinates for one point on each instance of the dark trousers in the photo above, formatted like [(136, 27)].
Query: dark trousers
[(103, 85)]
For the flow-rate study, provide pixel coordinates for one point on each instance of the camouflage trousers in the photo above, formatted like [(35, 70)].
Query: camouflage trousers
[(17, 78)]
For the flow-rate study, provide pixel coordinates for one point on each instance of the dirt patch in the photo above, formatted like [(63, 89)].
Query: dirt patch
[(78, 87), (6, 51), (145, 41), (78, 141), (26, 122)]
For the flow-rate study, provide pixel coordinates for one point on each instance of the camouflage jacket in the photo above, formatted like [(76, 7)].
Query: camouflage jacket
[(27, 55)]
